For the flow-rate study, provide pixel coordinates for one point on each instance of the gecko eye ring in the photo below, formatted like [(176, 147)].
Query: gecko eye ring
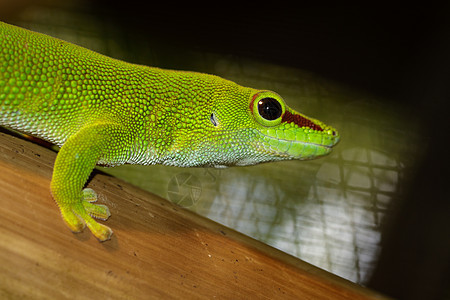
[(268, 108)]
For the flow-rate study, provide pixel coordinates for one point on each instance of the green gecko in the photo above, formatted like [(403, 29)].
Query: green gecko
[(104, 111)]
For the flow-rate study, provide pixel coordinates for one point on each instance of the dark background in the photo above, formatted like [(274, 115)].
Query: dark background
[(397, 51), (393, 49)]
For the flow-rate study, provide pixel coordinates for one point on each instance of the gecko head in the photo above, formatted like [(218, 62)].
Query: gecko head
[(282, 133), (244, 126)]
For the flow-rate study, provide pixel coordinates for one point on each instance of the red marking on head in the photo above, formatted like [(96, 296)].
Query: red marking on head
[(253, 100), (300, 121)]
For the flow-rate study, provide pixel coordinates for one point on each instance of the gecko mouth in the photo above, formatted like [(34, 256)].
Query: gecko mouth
[(333, 140), (297, 149)]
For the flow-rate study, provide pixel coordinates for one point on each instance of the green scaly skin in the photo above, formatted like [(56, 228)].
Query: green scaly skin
[(104, 111)]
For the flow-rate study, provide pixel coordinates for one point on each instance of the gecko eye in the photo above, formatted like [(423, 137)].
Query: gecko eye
[(269, 108)]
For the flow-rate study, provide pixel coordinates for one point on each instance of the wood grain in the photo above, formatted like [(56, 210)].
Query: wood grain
[(158, 250)]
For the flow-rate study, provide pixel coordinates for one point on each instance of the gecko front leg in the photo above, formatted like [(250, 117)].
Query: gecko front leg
[(74, 163)]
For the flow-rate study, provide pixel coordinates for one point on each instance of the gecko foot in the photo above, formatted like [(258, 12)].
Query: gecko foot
[(98, 211), (79, 214)]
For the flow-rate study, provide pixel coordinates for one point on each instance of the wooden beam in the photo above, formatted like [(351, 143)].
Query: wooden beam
[(158, 250)]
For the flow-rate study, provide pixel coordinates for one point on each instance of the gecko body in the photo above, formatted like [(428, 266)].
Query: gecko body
[(104, 111)]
